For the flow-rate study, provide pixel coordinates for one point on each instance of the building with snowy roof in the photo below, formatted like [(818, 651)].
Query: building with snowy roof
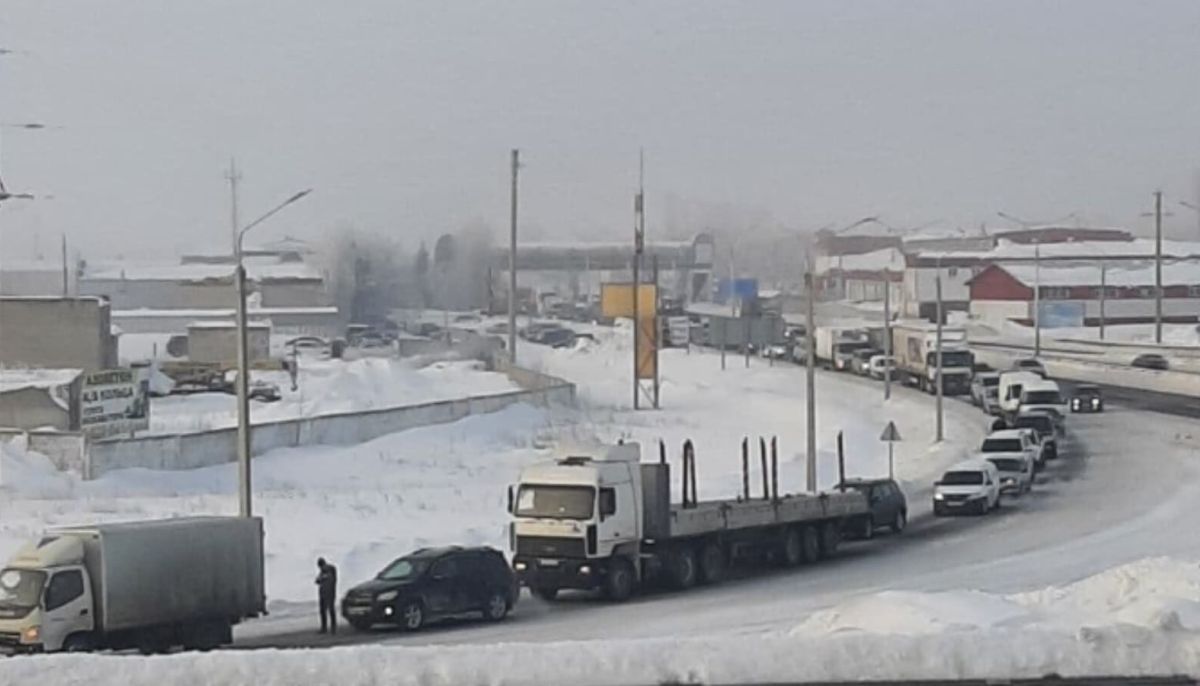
[(1084, 293)]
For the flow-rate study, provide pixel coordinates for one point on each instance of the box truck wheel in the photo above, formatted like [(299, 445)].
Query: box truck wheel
[(77, 643), (683, 568), (712, 563), (618, 585)]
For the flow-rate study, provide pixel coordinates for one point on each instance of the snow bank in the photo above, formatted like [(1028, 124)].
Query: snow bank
[(332, 386), (949, 635)]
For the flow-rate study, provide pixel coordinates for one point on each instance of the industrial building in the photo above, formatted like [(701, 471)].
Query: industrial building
[(54, 332)]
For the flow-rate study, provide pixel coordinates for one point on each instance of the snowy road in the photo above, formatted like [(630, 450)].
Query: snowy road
[(1121, 491)]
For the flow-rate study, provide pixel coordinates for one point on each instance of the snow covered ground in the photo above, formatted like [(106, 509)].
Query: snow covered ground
[(1037, 588), (331, 386)]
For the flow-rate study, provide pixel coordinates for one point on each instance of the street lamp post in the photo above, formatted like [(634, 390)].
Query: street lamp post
[(243, 362)]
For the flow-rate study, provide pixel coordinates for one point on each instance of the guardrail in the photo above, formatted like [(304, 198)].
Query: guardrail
[(218, 446)]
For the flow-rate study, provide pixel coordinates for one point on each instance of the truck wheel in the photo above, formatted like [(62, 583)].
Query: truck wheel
[(77, 643), (547, 593), (412, 616), (812, 545), (791, 548), (899, 522), (831, 536), (868, 526), (712, 564), (683, 569), (618, 586)]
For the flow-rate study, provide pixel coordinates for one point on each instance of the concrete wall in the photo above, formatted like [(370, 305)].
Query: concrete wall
[(66, 450), (32, 408), (63, 333), (189, 451)]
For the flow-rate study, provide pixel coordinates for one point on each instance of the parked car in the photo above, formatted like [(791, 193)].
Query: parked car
[(1150, 361), (1016, 473), (1045, 427), (985, 390), (778, 351), (431, 584), (878, 366), (860, 360), (1014, 443), (1030, 364), (1087, 398), (887, 504), (972, 486), (556, 337)]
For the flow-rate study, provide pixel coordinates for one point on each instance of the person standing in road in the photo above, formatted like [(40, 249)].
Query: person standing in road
[(327, 595)]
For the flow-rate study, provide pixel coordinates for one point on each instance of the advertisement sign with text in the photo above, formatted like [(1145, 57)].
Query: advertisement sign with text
[(114, 402)]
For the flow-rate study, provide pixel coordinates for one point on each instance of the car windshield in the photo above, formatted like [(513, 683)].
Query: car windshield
[(1002, 445), (1041, 398), (962, 478), (404, 569), (567, 502), (21, 589), (1008, 464)]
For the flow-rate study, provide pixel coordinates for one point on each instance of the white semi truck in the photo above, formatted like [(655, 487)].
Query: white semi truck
[(148, 585), (602, 519), (914, 346), (836, 345)]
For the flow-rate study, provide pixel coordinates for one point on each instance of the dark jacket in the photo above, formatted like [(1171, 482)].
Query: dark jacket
[(327, 581)]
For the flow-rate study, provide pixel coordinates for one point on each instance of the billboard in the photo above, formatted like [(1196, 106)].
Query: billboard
[(616, 300), (114, 402), (647, 353), (1054, 314)]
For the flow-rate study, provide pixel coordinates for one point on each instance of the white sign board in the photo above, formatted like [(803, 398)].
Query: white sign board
[(679, 331), (114, 402)]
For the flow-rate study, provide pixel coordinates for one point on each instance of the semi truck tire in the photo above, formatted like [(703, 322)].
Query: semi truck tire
[(683, 570), (812, 544), (712, 563), (618, 585), (791, 548), (831, 536)]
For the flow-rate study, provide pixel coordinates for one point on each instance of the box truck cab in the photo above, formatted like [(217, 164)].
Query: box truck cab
[(147, 585)]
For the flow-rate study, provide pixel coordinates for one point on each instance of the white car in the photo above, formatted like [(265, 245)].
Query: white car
[(985, 390), (1021, 443), (972, 486), (877, 365), (1016, 472)]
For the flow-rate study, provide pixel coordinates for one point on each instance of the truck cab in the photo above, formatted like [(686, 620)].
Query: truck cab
[(46, 601), (573, 516)]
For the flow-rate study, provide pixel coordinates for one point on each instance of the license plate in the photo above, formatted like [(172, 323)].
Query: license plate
[(357, 610), (547, 563), (952, 503)]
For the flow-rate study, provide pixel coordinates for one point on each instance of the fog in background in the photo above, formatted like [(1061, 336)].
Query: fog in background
[(771, 117)]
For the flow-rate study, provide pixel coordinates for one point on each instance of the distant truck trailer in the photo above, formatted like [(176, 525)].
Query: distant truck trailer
[(149, 585), (914, 347), (836, 345)]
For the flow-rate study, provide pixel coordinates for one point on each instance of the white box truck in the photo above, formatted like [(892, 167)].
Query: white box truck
[(149, 585), (836, 345), (914, 345), (602, 519)]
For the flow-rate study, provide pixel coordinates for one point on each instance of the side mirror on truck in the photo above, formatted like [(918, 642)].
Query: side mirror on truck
[(510, 499)]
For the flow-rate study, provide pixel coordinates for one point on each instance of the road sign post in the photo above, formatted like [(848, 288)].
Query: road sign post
[(891, 434)]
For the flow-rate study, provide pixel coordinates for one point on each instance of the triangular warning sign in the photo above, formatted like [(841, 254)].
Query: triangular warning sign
[(890, 433)]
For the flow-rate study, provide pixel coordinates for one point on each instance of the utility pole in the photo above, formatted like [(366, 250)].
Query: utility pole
[(887, 337), (1103, 288), (657, 329), (512, 264), (639, 227), (941, 434), (65, 278), (234, 177), (810, 405), (1037, 298), (1158, 287)]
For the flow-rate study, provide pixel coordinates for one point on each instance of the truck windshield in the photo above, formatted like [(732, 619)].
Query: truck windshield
[(951, 358), (403, 570), (566, 502), (987, 381), (962, 478), (21, 589), (1002, 445), (1041, 398)]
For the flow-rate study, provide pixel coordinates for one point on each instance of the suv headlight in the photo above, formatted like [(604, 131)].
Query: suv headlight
[(387, 596), (938, 496)]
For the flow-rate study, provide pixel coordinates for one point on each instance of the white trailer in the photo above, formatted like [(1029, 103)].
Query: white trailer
[(604, 520), (148, 585), (914, 345)]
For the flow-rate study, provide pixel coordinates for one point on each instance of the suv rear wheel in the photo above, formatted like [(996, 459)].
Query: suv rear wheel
[(497, 607)]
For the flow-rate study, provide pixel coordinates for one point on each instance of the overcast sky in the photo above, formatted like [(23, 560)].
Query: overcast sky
[(401, 115)]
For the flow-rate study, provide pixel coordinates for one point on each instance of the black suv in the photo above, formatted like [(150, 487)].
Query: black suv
[(887, 504), (1087, 398), (434, 583)]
